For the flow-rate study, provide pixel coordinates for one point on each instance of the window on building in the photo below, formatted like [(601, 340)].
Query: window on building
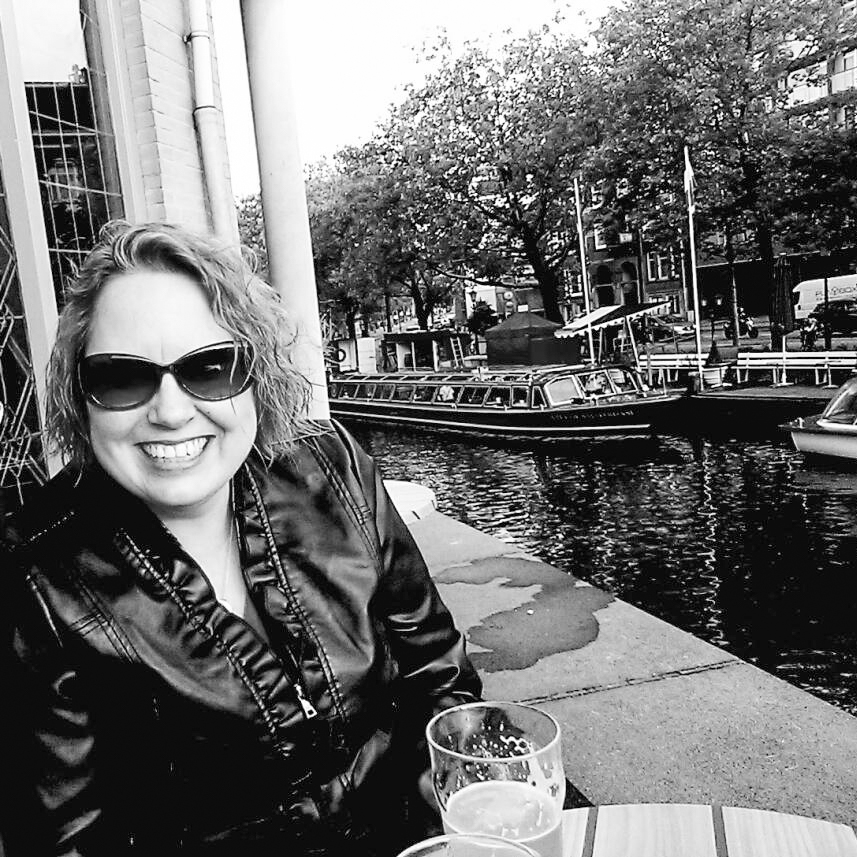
[(72, 136), (673, 299), (806, 84), (660, 265), (845, 116), (845, 61), (65, 92), (21, 465)]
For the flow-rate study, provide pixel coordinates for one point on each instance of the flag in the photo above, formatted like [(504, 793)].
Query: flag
[(689, 183)]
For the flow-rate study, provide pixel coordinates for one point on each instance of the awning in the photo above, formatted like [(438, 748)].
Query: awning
[(611, 316)]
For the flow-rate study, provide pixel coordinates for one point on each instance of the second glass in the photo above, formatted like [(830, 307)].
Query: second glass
[(497, 769), (468, 845)]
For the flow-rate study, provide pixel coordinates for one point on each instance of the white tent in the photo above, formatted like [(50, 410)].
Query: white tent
[(611, 316)]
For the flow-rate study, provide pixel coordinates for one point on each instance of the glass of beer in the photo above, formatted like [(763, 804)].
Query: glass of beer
[(497, 770), (468, 845)]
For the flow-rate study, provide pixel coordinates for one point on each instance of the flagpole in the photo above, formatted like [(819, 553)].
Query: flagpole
[(691, 207), (584, 278)]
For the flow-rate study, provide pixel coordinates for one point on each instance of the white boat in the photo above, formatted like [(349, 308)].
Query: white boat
[(832, 432)]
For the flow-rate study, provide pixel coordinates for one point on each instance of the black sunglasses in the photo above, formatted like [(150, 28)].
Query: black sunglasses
[(119, 382)]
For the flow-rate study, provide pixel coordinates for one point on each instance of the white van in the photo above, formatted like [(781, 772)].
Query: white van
[(808, 294)]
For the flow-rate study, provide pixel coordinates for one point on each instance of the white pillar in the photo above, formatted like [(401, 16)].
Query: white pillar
[(287, 235), (21, 181)]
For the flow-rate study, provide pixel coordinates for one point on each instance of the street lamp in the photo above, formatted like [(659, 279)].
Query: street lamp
[(711, 306), (472, 311)]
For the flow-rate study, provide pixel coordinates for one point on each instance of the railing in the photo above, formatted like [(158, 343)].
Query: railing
[(665, 367), (842, 80), (781, 363)]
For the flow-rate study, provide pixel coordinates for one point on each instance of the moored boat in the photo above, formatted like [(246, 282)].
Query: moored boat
[(833, 432), (543, 403)]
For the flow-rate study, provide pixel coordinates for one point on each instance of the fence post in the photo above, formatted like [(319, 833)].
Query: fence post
[(828, 380), (782, 382)]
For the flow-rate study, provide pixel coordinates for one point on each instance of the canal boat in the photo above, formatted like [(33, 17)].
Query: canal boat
[(832, 433), (558, 402)]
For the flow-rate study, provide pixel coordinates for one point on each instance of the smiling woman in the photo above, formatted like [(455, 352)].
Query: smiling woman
[(220, 621)]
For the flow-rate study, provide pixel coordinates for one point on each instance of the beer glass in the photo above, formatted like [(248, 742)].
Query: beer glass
[(497, 769)]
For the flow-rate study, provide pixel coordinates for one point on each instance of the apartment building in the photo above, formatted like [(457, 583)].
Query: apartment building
[(625, 266), (96, 123)]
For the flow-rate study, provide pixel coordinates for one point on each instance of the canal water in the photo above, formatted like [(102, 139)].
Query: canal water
[(741, 542)]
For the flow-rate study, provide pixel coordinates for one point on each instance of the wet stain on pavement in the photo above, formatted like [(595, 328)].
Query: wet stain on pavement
[(554, 612)]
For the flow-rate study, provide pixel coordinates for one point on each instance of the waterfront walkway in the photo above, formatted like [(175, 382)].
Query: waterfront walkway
[(649, 713)]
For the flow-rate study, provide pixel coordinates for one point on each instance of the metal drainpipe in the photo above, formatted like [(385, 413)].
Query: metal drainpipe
[(266, 34), (224, 218)]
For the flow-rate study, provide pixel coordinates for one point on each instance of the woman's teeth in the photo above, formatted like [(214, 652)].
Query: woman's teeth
[(186, 449)]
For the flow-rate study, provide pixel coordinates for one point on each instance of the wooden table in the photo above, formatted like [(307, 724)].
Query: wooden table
[(696, 830)]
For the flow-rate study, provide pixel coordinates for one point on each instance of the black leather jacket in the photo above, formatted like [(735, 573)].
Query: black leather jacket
[(155, 722)]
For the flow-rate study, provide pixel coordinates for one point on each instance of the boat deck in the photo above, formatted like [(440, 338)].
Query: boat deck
[(793, 392)]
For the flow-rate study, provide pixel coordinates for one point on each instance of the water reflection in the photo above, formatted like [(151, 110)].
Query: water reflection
[(742, 543)]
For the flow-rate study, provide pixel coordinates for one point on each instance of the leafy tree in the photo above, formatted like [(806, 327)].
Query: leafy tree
[(714, 75), (390, 215), (488, 148), (818, 210), (251, 229), (345, 272)]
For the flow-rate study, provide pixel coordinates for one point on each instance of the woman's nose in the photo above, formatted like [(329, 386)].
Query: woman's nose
[(171, 406)]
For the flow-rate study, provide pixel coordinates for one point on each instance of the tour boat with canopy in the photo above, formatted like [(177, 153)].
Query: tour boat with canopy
[(558, 402)]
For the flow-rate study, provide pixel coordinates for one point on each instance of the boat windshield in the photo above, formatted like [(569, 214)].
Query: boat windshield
[(623, 380), (563, 390), (609, 381), (843, 406)]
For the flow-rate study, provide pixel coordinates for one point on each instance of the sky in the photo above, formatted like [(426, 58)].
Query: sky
[(350, 59)]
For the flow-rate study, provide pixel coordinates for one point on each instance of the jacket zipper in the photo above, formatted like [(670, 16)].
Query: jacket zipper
[(306, 706), (308, 709)]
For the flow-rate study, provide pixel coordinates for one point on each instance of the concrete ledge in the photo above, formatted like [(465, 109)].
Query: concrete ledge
[(649, 712), (412, 501)]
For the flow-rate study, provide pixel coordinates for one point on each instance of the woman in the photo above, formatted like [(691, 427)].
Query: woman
[(225, 640)]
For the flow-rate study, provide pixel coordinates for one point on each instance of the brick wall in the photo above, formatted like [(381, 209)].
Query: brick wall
[(161, 82)]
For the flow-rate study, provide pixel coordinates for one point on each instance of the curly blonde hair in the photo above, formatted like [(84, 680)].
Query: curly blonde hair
[(240, 301)]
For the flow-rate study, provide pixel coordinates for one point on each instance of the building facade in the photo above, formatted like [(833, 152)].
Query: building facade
[(625, 267), (97, 101)]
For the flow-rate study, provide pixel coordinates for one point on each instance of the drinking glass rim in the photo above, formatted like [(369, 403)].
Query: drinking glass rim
[(487, 838), (487, 704)]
